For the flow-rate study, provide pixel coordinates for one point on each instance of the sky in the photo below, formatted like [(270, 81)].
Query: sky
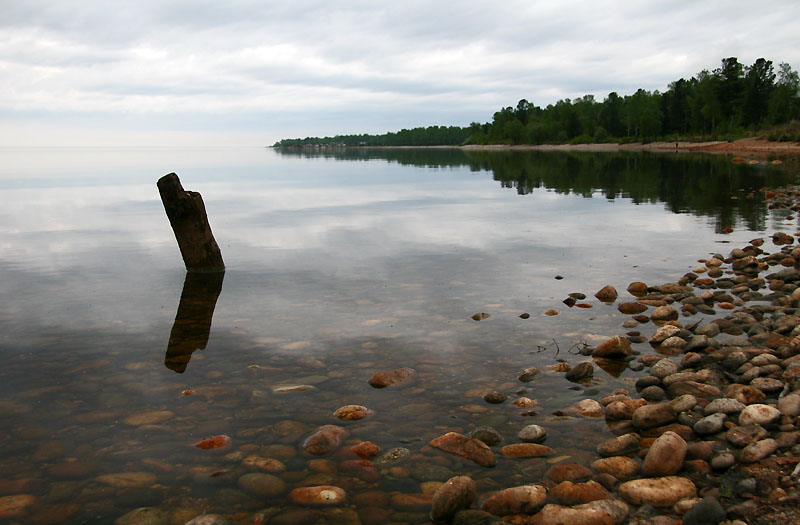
[(251, 72)]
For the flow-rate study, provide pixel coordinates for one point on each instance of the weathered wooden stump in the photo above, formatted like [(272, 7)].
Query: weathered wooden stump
[(193, 320), (187, 215)]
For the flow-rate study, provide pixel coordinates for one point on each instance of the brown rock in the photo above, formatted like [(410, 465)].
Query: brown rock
[(621, 467), (658, 492), (320, 495), (607, 294), (559, 515), (637, 289), (649, 416), (664, 313), (352, 412), (366, 449), (580, 372), (617, 346), (465, 447), (412, 502), (665, 456), (631, 308), (392, 377), (16, 505), (456, 493), (526, 450), (569, 493), (568, 472), (324, 440), (745, 394), (619, 445), (524, 499)]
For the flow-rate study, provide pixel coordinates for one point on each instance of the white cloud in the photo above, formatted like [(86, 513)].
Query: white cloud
[(311, 67)]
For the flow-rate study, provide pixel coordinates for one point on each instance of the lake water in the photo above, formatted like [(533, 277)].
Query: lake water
[(340, 264)]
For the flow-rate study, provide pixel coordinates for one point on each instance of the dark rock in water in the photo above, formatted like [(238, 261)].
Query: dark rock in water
[(531, 434), (528, 374), (569, 301), (637, 289), (707, 511), (616, 347), (631, 308), (475, 517), (569, 493), (578, 295), (580, 372), (480, 316), (495, 398), (524, 315), (607, 294), (324, 440), (465, 447), (455, 494), (488, 435), (391, 377), (568, 472)]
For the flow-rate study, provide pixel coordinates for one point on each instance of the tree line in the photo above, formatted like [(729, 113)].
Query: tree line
[(727, 102)]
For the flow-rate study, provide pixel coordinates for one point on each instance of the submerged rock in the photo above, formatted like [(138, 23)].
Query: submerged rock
[(524, 499), (455, 494), (392, 377), (658, 492), (465, 447)]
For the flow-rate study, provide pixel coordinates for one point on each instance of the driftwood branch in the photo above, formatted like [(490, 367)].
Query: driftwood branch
[(187, 215)]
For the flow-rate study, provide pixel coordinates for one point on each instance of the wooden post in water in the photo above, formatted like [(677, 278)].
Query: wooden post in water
[(187, 215)]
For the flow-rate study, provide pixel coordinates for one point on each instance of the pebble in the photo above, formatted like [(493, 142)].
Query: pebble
[(16, 505), (318, 496), (526, 450), (665, 456), (524, 499), (262, 484), (758, 450), (455, 494), (324, 440), (621, 467), (531, 434), (580, 372), (619, 445), (616, 347), (488, 435), (466, 447), (758, 414), (707, 511), (723, 405), (392, 377), (658, 492), (569, 493), (528, 374), (710, 424), (568, 472), (789, 405)]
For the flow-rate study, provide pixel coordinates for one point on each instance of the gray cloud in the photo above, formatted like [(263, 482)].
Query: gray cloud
[(310, 67)]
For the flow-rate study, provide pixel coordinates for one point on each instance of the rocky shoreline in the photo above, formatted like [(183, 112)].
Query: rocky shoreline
[(708, 433)]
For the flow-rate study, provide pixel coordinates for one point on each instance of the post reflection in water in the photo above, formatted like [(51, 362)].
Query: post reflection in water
[(193, 321)]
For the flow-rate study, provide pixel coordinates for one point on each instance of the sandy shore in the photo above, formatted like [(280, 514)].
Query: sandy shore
[(752, 148)]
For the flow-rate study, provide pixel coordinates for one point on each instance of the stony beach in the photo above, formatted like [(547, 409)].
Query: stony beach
[(706, 433)]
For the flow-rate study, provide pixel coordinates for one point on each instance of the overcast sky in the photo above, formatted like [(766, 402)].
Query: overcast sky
[(160, 72)]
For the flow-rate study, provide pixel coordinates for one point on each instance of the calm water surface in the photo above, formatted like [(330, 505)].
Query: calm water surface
[(340, 265)]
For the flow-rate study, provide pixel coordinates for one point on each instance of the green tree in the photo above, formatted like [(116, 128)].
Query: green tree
[(759, 84)]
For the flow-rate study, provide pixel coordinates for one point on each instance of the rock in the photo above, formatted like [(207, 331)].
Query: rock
[(621, 467), (209, 519), (664, 368), (556, 515), (324, 440), (318, 496), (365, 449), (723, 461), (360, 468), (495, 398), (658, 492), (144, 516), (757, 414), (619, 445), (650, 416), (631, 308), (151, 417), (580, 372), (790, 405), (480, 316), (664, 313), (707, 511), (455, 494), (616, 347), (637, 289), (723, 405), (487, 434), (465, 447), (266, 464), (412, 502), (528, 374), (532, 434), (569, 493), (607, 294), (710, 424), (127, 479), (653, 393), (743, 436), (623, 409), (262, 484), (617, 508), (352, 412), (585, 407), (693, 388), (568, 472), (526, 450), (758, 450), (524, 499), (665, 456), (16, 505), (745, 394), (392, 377)]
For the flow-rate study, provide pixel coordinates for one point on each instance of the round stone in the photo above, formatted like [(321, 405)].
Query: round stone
[(532, 434)]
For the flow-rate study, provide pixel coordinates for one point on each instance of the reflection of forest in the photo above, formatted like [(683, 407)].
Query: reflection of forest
[(704, 185)]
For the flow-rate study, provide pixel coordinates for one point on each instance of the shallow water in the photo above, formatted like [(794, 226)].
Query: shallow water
[(339, 265)]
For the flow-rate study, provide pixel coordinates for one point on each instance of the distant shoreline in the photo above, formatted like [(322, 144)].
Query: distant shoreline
[(753, 148)]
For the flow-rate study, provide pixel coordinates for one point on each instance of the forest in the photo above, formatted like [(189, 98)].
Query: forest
[(731, 101)]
